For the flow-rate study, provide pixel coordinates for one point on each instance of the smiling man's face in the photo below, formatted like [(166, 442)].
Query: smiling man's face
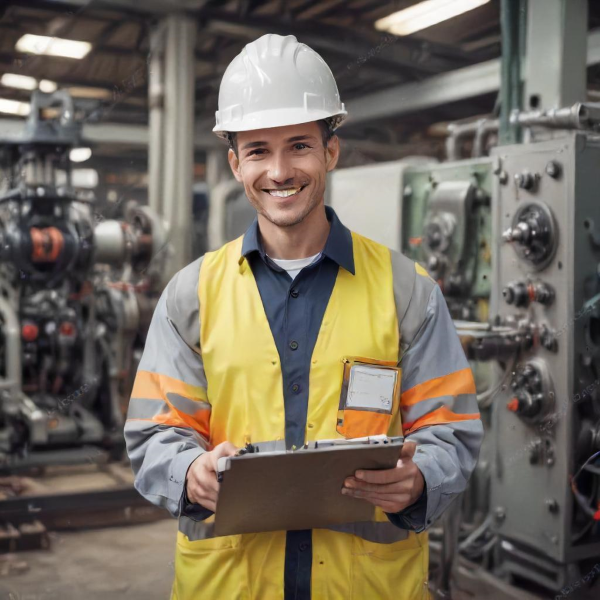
[(283, 170)]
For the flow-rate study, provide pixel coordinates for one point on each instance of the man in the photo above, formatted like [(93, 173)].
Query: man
[(247, 344)]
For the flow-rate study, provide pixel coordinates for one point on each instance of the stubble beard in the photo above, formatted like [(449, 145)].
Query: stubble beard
[(288, 220)]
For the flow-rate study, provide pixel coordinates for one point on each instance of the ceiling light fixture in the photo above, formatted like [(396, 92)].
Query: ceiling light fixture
[(47, 86), (14, 107), (80, 154), (52, 46), (22, 82), (425, 14)]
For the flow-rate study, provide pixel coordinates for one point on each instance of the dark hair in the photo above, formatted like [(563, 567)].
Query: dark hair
[(326, 135)]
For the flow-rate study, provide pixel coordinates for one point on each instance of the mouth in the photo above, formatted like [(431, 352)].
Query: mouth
[(285, 192)]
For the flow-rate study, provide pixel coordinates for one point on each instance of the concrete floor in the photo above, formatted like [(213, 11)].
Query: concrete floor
[(133, 562)]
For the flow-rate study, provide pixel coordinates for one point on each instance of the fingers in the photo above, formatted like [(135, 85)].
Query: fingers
[(202, 485), (207, 501), (389, 503), (398, 487), (408, 450), (223, 449), (385, 476)]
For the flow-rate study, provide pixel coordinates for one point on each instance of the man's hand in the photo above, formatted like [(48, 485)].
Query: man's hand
[(201, 480), (391, 489)]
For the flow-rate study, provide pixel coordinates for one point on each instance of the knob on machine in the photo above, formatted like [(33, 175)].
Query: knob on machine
[(533, 392), (533, 234), (522, 293)]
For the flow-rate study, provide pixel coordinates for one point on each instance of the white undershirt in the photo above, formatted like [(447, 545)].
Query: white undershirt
[(294, 266)]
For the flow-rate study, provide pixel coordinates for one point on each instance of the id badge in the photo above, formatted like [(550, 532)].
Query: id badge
[(370, 398)]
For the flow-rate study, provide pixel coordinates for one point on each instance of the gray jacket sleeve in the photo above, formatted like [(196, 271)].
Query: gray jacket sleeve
[(438, 404), (167, 425)]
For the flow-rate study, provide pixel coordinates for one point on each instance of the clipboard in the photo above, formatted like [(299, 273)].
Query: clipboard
[(301, 489)]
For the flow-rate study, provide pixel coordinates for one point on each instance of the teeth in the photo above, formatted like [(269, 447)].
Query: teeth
[(284, 193)]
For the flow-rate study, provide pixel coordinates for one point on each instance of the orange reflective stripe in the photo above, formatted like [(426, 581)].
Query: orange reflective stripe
[(438, 417), (200, 423), (156, 387), (453, 384), (359, 423)]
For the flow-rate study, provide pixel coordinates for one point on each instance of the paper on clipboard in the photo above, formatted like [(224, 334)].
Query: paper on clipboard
[(371, 388)]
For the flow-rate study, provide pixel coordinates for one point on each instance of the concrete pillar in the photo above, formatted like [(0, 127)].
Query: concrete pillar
[(172, 133), (156, 105)]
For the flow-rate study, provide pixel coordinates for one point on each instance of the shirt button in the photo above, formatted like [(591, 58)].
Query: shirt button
[(294, 293), (295, 388), (294, 345), (303, 547)]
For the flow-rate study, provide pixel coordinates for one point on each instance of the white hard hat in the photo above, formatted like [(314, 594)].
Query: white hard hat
[(276, 81)]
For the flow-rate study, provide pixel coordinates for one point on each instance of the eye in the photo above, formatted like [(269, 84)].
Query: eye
[(256, 152), (301, 146)]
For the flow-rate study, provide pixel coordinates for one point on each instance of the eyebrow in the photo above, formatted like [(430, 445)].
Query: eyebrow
[(297, 138), (253, 145)]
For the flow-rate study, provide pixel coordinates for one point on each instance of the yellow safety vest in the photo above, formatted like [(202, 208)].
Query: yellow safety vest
[(373, 560)]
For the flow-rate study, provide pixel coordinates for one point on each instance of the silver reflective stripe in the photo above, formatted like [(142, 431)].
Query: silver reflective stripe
[(185, 405), (373, 531), (183, 303), (462, 404), (146, 408), (173, 343), (196, 530), (403, 275)]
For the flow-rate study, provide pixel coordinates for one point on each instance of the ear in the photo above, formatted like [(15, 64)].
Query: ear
[(234, 163), (332, 152)]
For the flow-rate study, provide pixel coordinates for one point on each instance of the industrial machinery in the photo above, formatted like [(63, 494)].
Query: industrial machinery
[(545, 492), (513, 241), (75, 289)]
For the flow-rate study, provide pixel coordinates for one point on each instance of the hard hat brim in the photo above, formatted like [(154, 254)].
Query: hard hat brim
[(280, 117)]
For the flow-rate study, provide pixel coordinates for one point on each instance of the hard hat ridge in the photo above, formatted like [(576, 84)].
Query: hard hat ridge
[(277, 81)]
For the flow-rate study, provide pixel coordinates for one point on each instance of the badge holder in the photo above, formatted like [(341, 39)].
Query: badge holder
[(370, 398)]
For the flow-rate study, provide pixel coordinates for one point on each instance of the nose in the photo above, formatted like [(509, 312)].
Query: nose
[(280, 168)]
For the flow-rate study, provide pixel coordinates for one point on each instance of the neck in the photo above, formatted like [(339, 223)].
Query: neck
[(298, 241)]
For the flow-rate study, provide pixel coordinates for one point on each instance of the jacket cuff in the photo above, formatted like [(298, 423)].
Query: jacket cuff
[(433, 476), (179, 468)]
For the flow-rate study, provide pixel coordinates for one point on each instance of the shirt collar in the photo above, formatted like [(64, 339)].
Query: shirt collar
[(338, 247)]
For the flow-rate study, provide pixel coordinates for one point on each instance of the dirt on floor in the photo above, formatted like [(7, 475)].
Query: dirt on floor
[(133, 562)]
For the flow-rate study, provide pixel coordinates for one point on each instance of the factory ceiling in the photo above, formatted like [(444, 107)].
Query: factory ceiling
[(110, 83)]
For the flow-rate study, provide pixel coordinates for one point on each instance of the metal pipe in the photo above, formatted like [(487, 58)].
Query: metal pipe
[(485, 128), (582, 115), (480, 129), (512, 24)]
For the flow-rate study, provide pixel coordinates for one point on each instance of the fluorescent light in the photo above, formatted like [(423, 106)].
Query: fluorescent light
[(52, 46), (47, 86), (80, 154), (21, 82), (425, 14), (14, 107)]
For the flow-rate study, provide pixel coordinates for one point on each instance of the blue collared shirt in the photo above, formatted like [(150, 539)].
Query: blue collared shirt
[(295, 310)]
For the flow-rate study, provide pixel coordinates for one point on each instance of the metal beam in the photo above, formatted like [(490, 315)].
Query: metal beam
[(386, 53), (460, 84), (115, 133)]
